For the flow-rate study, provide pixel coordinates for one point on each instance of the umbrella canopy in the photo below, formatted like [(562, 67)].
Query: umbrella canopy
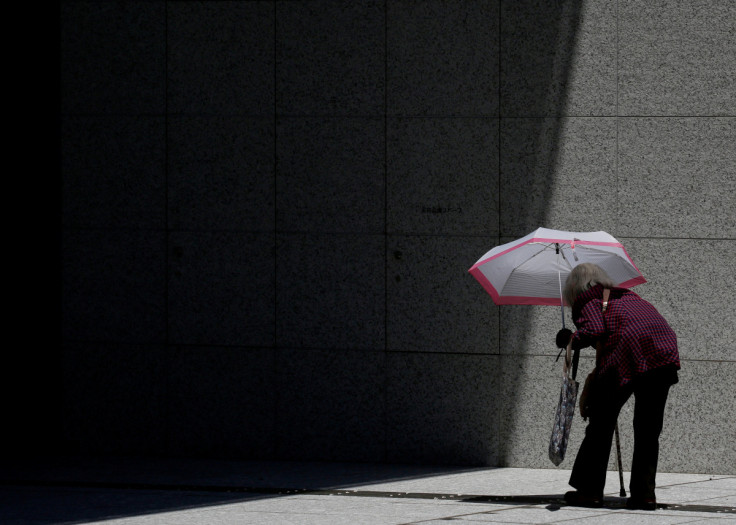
[(531, 270)]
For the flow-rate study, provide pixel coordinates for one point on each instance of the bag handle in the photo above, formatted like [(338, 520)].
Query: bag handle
[(604, 307)]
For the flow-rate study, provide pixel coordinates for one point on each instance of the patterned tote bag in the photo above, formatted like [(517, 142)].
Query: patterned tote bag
[(564, 414)]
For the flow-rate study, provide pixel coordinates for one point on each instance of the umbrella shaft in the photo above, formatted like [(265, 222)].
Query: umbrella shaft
[(562, 303)]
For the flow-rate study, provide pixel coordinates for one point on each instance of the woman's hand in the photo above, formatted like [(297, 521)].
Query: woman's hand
[(563, 338)]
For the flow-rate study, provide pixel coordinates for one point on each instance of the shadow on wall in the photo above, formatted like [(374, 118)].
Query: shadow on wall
[(537, 54), (254, 358)]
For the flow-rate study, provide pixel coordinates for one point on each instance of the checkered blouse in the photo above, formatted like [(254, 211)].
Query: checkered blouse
[(636, 338)]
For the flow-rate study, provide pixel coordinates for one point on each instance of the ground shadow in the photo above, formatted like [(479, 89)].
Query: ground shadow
[(83, 489)]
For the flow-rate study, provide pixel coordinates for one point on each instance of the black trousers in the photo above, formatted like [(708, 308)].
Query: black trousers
[(650, 396)]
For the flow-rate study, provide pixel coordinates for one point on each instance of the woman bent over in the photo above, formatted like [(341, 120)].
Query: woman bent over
[(637, 354)]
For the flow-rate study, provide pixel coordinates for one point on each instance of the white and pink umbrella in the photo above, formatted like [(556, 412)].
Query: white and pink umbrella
[(532, 269)]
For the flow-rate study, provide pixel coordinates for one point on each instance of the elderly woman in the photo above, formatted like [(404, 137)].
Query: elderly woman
[(636, 354)]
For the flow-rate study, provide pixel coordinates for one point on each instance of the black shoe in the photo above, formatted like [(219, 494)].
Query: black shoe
[(641, 503), (577, 499)]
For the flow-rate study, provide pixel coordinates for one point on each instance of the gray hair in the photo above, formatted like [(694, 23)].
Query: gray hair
[(583, 277)]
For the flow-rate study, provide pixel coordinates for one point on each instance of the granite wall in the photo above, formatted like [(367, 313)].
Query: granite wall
[(270, 208)]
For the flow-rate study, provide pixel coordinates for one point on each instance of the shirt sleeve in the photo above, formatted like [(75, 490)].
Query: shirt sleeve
[(590, 325)]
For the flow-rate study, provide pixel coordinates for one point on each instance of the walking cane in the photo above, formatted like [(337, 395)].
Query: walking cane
[(622, 492)]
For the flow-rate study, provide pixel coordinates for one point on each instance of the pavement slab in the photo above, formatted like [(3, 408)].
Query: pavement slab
[(125, 491)]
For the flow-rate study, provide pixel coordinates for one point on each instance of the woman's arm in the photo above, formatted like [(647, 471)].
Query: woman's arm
[(590, 325)]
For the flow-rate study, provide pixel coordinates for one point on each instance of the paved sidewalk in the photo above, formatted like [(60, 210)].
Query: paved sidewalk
[(126, 491)]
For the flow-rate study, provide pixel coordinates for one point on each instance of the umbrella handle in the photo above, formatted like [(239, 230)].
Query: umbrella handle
[(562, 303), (562, 312)]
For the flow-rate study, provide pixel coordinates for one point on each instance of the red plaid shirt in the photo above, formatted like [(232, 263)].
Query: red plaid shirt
[(635, 337)]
